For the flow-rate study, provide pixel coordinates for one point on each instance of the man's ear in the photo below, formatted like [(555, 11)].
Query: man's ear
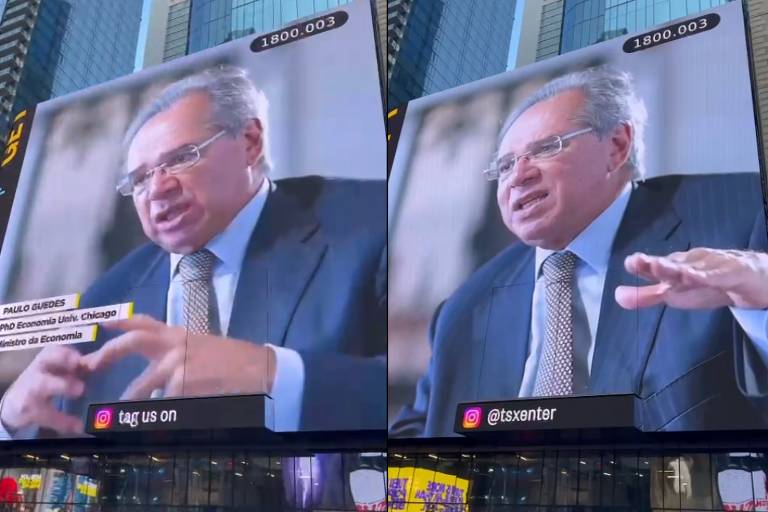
[(254, 141), (622, 138)]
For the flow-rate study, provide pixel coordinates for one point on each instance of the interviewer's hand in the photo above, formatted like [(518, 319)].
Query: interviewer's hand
[(698, 279), (183, 363), (55, 371)]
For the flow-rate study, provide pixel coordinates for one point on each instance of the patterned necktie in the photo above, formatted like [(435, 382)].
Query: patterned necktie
[(555, 375), (201, 312)]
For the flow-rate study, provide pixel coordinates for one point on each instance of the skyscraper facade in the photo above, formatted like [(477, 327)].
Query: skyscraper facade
[(177, 32), (55, 47), (212, 22), (438, 44), (568, 25), (587, 22)]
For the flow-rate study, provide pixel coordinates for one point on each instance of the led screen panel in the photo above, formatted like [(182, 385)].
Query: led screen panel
[(212, 226), (588, 225)]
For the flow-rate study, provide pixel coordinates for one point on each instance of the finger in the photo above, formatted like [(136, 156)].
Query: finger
[(154, 377), (54, 385), (143, 322), (175, 386), (654, 268), (691, 255), (640, 265), (663, 269), (133, 342), (58, 359), (49, 417), (634, 297)]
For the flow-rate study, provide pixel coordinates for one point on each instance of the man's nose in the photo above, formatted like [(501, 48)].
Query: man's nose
[(161, 184), (522, 172)]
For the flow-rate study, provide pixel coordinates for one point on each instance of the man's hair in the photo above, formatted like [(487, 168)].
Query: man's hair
[(235, 101), (609, 100)]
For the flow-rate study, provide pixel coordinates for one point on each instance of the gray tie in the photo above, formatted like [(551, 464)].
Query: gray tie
[(201, 312), (555, 375)]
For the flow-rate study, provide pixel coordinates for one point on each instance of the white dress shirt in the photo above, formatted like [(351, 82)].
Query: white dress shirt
[(229, 247), (593, 248)]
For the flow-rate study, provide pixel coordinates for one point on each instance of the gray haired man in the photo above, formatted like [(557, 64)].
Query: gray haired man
[(561, 312), (247, 286)]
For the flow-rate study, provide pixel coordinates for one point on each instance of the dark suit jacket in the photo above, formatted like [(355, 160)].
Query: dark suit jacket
[(692, 368), (313, 280)]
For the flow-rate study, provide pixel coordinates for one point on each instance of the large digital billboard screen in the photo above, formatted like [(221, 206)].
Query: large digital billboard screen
[(592, 224), (212, 226)]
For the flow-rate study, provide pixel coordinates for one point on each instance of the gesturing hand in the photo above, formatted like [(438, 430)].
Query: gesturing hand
[(187, 364), (55, 371), (698, 279)]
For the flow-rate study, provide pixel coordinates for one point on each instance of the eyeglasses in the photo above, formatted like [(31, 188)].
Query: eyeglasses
[(178, 161), (540, 149)]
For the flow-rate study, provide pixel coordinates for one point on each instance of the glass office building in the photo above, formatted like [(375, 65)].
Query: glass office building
[(586, 22), (69, 45), (438, 44), (212, 22)]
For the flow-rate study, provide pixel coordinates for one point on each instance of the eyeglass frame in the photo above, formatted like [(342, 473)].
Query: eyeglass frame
[(492, 173), (196, 148)]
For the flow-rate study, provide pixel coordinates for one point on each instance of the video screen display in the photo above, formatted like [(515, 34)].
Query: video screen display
[(212, 226), (592, 224)]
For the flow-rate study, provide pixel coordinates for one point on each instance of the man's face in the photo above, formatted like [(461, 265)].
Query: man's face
[(182, 212), (547, 202)]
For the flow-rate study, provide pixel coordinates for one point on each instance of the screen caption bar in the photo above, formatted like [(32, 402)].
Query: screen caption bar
[(38, 306), (194, 413), (66, 319), (575, 412), (39, 339)]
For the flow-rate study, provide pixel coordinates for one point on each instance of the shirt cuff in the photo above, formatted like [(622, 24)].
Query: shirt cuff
[(287, 389), (754, 322)]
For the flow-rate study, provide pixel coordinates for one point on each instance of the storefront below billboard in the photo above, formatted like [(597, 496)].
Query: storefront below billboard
[(588, 479), (192, 481)]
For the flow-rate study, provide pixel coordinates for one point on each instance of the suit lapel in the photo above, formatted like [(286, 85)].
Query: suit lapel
[(150, 293), (284, 252), (624, 337), (509, 321)]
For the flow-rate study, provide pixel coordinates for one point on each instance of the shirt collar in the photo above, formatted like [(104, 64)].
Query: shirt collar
[(229, 246), (593, 245)]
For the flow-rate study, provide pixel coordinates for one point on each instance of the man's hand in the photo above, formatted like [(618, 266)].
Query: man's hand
[(56, 371), (698, 279), (186, 364)]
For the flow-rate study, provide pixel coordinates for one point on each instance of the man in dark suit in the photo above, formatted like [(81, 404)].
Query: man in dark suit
[(247, 286), (562, 311)]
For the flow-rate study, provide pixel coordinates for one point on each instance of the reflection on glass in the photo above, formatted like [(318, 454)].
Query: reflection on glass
[(590, 468), (625, 479), (264, 483), (565, 477), (199, 479), (125, 480), (505, 479), (180, 479), (483, 480), (671, 482), (696, 486), (529, 478), (738, 486), (161, 479), (221, 480), (367, 481)]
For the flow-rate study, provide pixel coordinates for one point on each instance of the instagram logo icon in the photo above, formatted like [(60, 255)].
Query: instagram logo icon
[(103, 419), (472, 417)]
